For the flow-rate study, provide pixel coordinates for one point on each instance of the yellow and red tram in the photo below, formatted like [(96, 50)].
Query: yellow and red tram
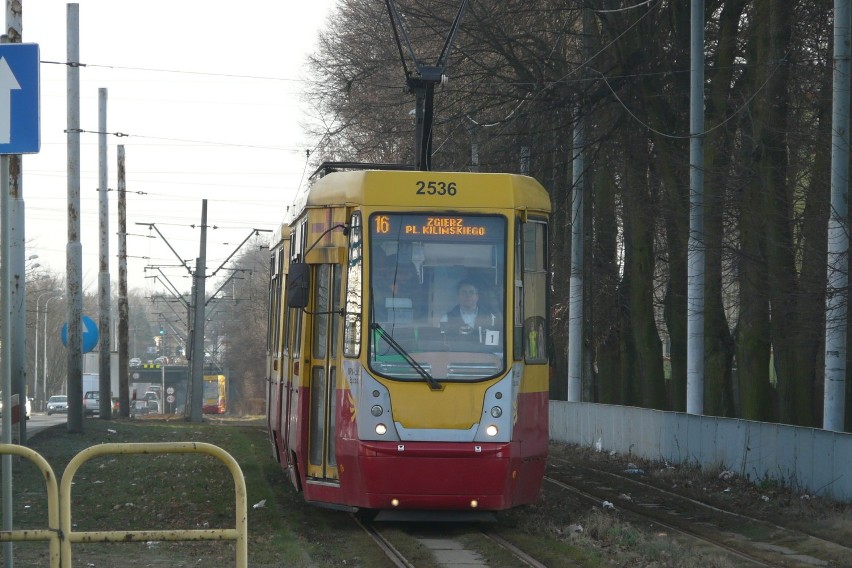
[(407, 362)]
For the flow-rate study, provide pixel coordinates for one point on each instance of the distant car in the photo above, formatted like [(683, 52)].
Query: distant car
[(57, 404), (161, 360), (152, 399), (136, 362), (92, 402)]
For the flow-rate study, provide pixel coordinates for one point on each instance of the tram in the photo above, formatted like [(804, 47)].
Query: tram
[(407, 362), (215, 394)]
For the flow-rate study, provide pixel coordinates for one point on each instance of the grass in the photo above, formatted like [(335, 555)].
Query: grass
[(178, 492), (139, 492)]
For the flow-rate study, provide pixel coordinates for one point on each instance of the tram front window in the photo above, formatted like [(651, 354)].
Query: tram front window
[(437, 288)]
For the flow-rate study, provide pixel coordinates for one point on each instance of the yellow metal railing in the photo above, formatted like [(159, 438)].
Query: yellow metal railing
[(60, 534), (51, 534), (239, 533)]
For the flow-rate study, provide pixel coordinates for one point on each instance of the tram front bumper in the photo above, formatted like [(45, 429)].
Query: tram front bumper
[(457, 476)]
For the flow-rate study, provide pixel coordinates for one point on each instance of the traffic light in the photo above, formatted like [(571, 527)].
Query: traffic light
[(162, 331)]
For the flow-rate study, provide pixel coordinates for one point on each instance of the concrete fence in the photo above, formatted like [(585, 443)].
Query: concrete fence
[(806, 459)]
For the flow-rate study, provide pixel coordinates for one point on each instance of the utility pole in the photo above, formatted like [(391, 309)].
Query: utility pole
[(13, 288), (836, 313), (473, 130), (695, 253), (105, 337), (5, 354), (123, 307), (74, 249), (575, 303), (196, 316), (17, 255), (197, 378)]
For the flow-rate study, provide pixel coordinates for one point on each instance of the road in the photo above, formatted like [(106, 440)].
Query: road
[(39, 421)]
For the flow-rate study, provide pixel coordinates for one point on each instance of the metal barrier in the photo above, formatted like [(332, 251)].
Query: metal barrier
[(238, 534), (60, 535), (51, 534)]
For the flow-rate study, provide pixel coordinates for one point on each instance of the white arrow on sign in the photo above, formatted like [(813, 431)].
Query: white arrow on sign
[(8, 83)]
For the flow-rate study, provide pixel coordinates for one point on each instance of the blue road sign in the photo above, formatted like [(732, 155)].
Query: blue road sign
[(19, 98), (90, 334)]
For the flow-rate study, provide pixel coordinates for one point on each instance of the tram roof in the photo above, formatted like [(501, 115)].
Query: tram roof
[(397, 189)]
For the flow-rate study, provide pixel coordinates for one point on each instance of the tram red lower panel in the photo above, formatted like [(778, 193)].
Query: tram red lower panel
[(436, 476)]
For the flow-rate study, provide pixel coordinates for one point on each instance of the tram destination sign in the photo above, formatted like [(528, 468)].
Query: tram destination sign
[(446, 226), (465, 227)]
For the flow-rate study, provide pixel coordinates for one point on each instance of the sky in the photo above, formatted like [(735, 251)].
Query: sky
[(207, 93)]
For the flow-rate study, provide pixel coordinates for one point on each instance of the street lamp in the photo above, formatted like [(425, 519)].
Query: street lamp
[(44, 374), (43, 399)]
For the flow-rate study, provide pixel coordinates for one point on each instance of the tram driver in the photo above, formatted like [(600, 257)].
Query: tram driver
[(471, 320)]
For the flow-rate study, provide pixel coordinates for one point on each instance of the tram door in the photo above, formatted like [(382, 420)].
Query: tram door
[(289, 386), (324, 368)]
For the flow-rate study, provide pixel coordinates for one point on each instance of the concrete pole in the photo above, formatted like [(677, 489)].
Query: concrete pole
[(104, 313), (44, 351), (74, 249), (44, 397), (525, 160), (473, 130), (35, 359), (834, 401), (5, 352), (17, 253), (123, 307), (695, 260), (575, 302), (9, 167), (195, 408)]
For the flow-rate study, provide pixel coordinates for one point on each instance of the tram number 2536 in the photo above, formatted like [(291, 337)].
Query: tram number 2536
[(436, 188)]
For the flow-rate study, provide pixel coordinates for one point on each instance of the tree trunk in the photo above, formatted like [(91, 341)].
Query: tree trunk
[(605, 303), (644, 349), (753, 328), (718, 343)]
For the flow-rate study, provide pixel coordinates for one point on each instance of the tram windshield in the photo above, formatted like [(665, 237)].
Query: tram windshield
[(437, 296)]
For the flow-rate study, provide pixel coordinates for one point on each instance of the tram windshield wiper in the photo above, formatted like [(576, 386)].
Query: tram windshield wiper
[(433, 384)]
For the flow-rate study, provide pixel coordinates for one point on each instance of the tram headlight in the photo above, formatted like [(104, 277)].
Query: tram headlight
[(381, 429), (491, 430), (496, 412), (376, 410)]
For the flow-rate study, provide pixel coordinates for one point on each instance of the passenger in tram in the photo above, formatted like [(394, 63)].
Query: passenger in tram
[(397, 287)]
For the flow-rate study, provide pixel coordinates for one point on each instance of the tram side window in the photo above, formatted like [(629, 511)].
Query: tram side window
[(518, 306), (273, 325), (297, 247), (535, 291), (322, 302), (352, 322)]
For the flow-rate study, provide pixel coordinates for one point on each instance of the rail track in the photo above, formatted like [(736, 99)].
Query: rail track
[(750, 540), (704, 519), (399, 560), (449, 551)]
